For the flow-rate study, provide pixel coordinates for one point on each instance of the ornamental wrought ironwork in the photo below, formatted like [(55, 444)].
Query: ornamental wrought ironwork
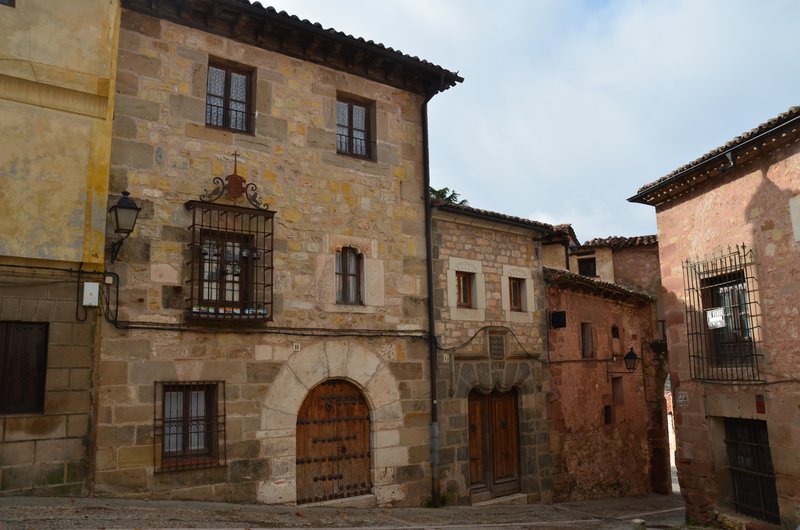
[(235, 187)]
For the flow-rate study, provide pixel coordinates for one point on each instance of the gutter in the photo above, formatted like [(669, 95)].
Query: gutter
[(728, 154), (432, 346)]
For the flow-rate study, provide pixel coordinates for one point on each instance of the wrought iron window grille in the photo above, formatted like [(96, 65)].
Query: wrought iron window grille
[(752, 474), (231, 250), (189, 425), (722, 317)]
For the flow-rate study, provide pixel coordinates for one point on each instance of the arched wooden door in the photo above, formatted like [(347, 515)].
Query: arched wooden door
[(333, 449), (493, 444)]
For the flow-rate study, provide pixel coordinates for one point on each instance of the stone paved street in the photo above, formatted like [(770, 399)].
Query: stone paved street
[(45, 513)]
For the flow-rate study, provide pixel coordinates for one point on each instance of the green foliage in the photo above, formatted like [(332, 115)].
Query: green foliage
[(447, 195)]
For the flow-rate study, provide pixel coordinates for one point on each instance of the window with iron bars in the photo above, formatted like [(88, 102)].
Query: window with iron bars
[(231, 262), (750, 465), (189, 424), (228, 97), (354, 128), (721, 317)]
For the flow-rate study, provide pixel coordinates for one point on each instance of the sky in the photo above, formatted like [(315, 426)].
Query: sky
[(569, 107)]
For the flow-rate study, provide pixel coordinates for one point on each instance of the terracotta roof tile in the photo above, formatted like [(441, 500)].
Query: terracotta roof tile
[(621, 242), (685, 171), (494, 216), (564, 277)]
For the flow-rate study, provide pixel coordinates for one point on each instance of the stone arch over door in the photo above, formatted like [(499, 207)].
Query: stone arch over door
[(524, 379), (333, 359)]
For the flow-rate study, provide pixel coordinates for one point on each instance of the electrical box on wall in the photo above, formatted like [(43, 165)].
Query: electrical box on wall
[(91, 294)]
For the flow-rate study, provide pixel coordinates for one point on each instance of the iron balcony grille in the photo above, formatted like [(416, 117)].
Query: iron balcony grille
[(189, 425), (231, 268), (355, 145), (235, 118), (722, 317), (752, 474)]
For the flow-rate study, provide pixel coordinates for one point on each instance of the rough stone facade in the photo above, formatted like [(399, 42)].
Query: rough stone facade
[(754, 203), (46, 453), (56, 103), (470, 363), (165, 155), (600, 412)]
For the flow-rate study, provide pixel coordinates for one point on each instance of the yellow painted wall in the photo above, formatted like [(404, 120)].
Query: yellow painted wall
[(57, 73)]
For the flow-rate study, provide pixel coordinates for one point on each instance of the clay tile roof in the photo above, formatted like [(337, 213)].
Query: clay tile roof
[(492, 216), (611, 290), (265, 27), (621, 242), (772, 133)]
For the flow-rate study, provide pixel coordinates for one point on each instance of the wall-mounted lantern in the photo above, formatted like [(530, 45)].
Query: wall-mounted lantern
[(123, 220), (630, 360)]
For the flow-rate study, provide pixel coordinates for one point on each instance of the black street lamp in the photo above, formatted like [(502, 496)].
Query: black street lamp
[(630, 360), (123, 219)]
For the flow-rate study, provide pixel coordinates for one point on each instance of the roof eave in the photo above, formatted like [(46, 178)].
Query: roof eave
[(303, 40)]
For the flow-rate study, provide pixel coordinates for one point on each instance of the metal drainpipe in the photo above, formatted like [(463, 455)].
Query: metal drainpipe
[(432, 350)]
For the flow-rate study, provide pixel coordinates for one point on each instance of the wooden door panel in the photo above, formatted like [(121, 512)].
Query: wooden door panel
[(505, 441), (477, 442), (333, 443), (493, 444)]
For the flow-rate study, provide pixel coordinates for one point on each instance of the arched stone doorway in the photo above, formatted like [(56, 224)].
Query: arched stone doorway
[(493, 444), (333, 443)]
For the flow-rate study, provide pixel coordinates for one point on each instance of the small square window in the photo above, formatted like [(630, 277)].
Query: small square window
[(23, 365), (587, 267), (190, 424), (614, 332), (516, 294), (354, 128), (587, 342), (465, 282), (349, 267), (229, 97), (608, 414)]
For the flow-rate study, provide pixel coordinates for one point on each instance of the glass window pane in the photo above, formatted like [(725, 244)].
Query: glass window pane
[(238, 87), (197, 420), (214, 111), (339, 262), (238, 113), (341, 114), (216, 81), (359, 143), (352, 289), (173, 422), (352, 261), (359, 117)]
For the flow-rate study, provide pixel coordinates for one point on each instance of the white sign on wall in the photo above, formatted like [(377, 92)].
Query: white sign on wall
[(715, 318), (682, 399)]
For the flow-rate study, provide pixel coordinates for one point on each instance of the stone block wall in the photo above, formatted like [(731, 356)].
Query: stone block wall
[(750, 205), (165, 155), (602, 440), (47, 453), (494, 252)]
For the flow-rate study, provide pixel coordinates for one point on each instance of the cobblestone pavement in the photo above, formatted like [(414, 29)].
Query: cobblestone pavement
[(48, 513)]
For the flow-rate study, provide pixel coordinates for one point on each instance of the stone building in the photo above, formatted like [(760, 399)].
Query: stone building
[(602, 307), (56, 103), (268, 330), (489, 300), (729, 233)]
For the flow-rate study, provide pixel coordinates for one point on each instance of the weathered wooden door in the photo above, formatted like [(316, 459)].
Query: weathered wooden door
[(333, 449), (493, 444)]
